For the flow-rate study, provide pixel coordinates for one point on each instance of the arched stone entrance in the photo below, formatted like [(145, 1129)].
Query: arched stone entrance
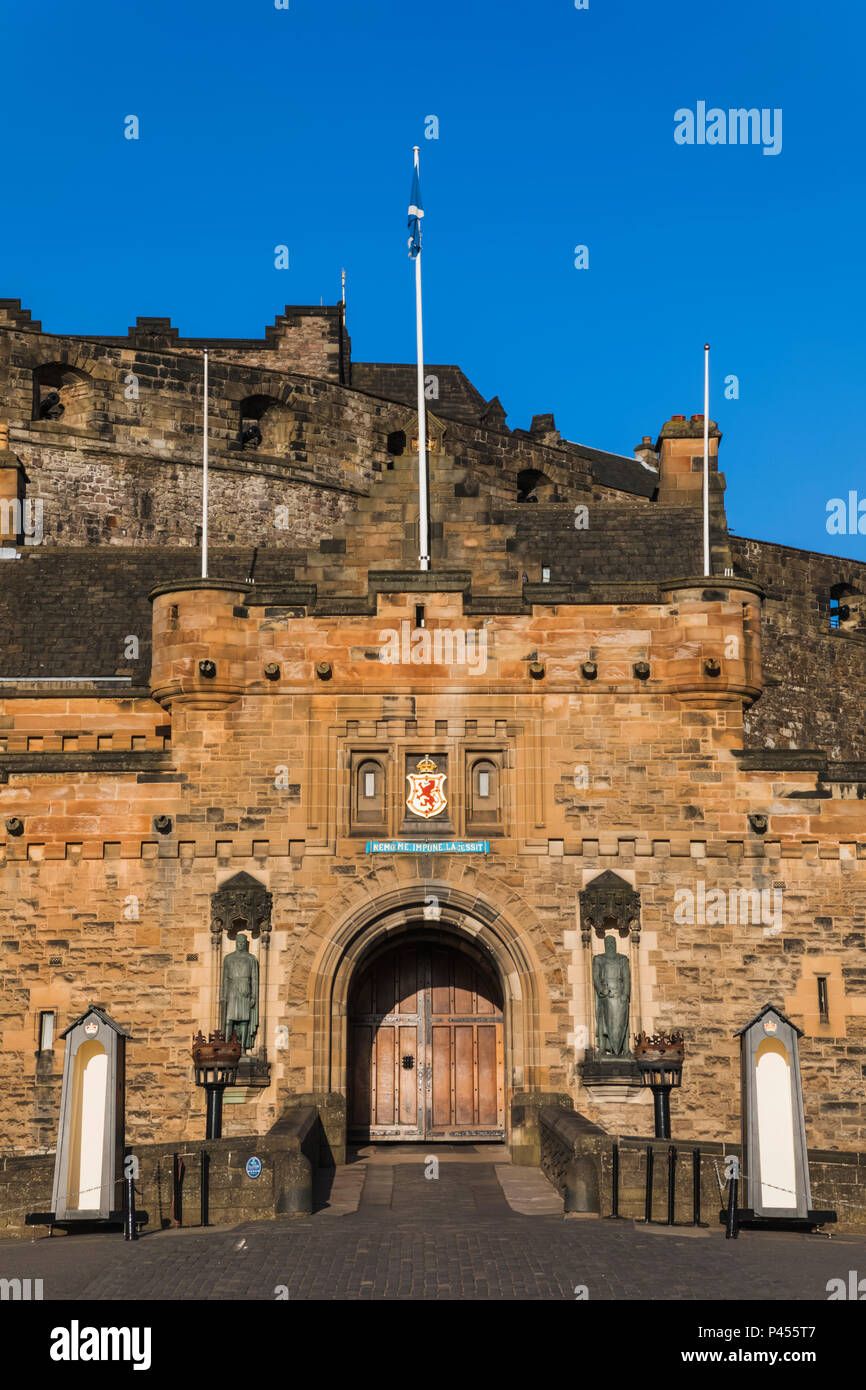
[(439, 915), (426, 1042)]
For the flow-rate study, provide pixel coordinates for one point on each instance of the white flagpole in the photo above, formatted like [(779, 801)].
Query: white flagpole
[(204, 482), (423, 500), (706, 459)]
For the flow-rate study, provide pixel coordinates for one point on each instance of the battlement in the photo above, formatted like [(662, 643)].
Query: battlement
[(306, 338), (211, 647), (313, 490)]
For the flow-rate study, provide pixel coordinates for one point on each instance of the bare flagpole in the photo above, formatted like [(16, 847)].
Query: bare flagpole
[(204, 481), (423, 498), (706, 459)]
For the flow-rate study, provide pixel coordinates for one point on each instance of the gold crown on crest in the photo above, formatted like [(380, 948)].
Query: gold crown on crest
[(426, 764)]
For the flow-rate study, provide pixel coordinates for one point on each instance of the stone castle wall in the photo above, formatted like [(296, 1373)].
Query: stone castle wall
[(123, 464), (645, 777), (814, 676), (256, 777)]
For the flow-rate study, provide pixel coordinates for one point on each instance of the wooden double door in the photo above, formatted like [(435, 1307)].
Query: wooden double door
[(426, 1054)]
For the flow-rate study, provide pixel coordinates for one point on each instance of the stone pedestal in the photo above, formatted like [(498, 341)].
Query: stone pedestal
[(610, 1078), (254, 1071)]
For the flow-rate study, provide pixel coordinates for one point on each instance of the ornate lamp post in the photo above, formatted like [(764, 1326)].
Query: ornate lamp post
[(216, 1066), (660, 1059)]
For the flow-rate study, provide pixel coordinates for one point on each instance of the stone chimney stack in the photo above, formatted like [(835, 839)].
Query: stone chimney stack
[(646, 452), (681, 479), (543, 429), (680, 449)]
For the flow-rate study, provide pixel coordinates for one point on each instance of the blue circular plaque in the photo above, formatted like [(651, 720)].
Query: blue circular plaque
[(254, 1167)]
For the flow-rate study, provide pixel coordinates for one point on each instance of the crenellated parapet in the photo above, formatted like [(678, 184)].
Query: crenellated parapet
[(714, 643), (200, 641), (215, 641)]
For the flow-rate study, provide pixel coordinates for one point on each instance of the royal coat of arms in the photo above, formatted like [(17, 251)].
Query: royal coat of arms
[(426, 790)]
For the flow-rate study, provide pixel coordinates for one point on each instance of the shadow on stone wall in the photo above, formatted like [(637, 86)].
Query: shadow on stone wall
[(295, 1157), (576, 1156)]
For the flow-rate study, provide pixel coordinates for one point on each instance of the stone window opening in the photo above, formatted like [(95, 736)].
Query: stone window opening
[(267, 424), (846, 608), (533, 486), (61, 392), (484, 809), (823, 999), (46, 1030), (252, 411), (45, 1045), (396, 445), (369, 787)]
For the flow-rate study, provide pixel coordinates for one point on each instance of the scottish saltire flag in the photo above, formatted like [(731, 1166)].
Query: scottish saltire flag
[(416, 212)]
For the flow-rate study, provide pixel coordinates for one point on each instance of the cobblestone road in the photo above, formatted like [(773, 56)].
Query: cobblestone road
[(451, 1238)]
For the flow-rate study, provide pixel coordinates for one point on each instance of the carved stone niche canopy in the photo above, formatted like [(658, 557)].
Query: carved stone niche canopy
[(608, 904), (242, 904)]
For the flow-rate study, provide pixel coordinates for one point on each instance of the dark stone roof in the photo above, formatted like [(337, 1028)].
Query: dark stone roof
[(398, 381), (620, 472), (68, 612), (624, 541)]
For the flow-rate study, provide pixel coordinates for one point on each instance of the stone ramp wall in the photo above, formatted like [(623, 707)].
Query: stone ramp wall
[(577, 1158), (290, 1154)]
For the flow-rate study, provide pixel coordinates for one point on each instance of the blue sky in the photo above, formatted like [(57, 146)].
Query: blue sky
[(261, 127)]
